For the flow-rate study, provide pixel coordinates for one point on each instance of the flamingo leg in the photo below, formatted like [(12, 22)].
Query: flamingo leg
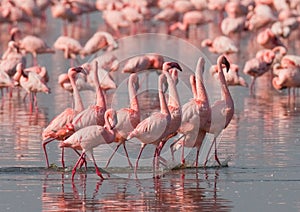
[(45, 151), (77, 163), (96, 167), (112, 155), (138, 158), (216, 155), (62, 157), (171, 147), (206, 159), (129, 162), (197, 157)]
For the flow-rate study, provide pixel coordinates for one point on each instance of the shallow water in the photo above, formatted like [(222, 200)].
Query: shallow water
[(261, 142)]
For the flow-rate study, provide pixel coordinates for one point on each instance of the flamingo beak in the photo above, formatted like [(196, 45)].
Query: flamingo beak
[(226, 63), (175, 65)]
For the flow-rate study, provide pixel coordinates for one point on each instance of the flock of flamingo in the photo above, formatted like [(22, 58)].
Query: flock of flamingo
[(270, 23)]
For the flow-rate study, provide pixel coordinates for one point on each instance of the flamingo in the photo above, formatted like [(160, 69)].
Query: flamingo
[(94, 114), (53, 130), (115, 19), (128, 118), (31, 82), (80, 81), (194, 17), (174, 106), (70, 46), (221, 111), (220, 45), (11, 58), (167, 15), (87, 138), (232, 76), (195, 115), (153, 128), (100, 40)]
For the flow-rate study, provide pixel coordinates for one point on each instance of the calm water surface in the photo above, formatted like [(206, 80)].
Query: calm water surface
[(261, 145)]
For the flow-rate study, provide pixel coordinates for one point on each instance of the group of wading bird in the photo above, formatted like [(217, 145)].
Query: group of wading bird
[(84, 129)]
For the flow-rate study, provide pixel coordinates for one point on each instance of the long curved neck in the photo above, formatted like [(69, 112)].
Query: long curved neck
[(99, 93), (78, 105), (106, 118), (173, 94), (134, 105), (201, 91), (162, 100), (224, 88), (193, 86)]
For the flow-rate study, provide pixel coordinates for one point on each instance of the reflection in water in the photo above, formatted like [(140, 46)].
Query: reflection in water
[(179, 190)]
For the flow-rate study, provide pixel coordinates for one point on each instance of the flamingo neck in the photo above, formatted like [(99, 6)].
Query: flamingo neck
[(224, 87), (173, 94), (193, 86), (134, 105), (99, 93), (78, 105), (162, 100), (200, 89)]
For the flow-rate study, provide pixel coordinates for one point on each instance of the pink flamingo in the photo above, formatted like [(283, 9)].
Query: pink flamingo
[(87, 138), (133, 16), (153, 128), (256, 67), (168, 16), (94, 114), (194, 17), (99, 41), (174, 106), (232, 77), (268, 39), (70, 46), (221, 111), (5, 81), (128, 118), (80, 81), (11, 58), (286, 77), (53, 130), (115, 19), (195, 115), (233, 25), (259, 16), (31, 82), (220, 45), (143, 62)]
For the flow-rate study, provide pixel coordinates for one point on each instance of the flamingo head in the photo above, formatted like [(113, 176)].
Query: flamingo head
[(170, 65), (111, 117)]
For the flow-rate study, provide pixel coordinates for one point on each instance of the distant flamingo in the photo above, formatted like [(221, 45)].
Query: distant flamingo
[(31, 82), (220, 45), (195, 115), (255, 68), (194, 17), (53, 130), (87, 138), (128, 118), (221, 111), (80, 81), (143, 62), (268, 39), (11, 58), (232, 76), (260, 16), (168, 16), (70, 46), (99, 41), (105, 80), (115, 19), (5, 81), (133, 16), (153, 128)]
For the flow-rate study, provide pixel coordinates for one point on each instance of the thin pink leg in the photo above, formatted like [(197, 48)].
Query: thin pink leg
[(216, 155), (45, 151), (137, 161), (77, 163), (129, 162), (112, 155), (206, 159), (62, 157), (96, 167)]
